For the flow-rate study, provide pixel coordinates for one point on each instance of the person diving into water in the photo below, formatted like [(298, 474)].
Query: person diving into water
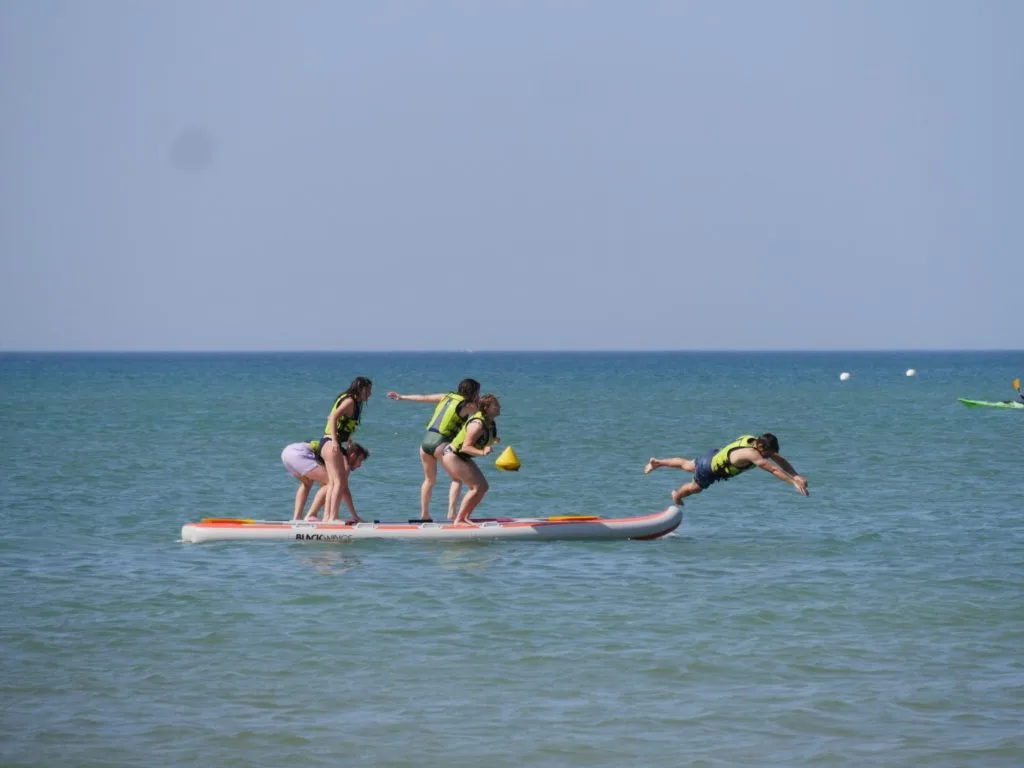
[(734, 459)]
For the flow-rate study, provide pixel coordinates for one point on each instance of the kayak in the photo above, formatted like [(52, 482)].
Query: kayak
[(1014, 404), (557, 527)]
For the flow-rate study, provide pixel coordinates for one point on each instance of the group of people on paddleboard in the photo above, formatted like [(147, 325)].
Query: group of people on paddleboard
[(463, 426)]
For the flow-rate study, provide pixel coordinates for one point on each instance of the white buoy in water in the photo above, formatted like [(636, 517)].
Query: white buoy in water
[(911, 372), (844, 375)]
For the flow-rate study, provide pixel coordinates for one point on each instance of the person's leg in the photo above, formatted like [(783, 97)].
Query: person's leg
[(429, 478), (334, 461), (301, 494), (468, 474), (454, 488), (345, 494), (453, 499), (687, 489), (318, 475), (299, 460), (318, 503), (678, 462), (477, 487)]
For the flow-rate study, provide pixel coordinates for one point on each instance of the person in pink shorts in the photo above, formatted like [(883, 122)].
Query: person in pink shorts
[(303, 462)]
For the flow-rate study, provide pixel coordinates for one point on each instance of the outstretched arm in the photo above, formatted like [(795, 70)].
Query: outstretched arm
[(416, 398), (799, 479), (786, 466), (790, 477), (346, 496)]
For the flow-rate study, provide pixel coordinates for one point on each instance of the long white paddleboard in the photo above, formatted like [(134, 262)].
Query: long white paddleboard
[(558, 527)]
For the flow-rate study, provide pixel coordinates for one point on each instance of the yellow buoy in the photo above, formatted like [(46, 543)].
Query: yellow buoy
[(508, 460)]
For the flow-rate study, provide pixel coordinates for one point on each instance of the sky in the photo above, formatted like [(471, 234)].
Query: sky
[(547, 175)]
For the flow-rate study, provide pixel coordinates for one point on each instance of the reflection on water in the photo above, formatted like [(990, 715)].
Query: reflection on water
[(339, 558), (470, 556), (331, 561)]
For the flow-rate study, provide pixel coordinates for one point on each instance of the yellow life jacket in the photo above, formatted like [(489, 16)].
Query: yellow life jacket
[(721, 466), (486, 436), (347, 425), (446, 420)]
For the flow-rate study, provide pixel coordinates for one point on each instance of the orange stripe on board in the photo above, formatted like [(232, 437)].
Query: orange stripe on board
[(225, 521)]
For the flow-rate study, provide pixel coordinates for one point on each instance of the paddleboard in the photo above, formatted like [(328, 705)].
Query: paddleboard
[(556, 527)]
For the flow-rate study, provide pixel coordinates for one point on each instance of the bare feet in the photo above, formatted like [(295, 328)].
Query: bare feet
[(677, 498), (466, 524), (312, 518), (651, 466)]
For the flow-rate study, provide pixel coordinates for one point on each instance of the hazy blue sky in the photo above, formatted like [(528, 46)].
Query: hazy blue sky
[(511, 175)]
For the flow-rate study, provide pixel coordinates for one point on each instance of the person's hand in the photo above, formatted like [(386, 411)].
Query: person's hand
[(801, 485), (487, 450), (394, 396)]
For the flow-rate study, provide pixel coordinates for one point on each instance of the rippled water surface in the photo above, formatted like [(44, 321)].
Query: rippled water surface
[(878, 622)]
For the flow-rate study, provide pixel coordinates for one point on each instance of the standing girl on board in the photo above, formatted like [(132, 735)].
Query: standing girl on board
[(453, 408), (475, 438), (341, 425)]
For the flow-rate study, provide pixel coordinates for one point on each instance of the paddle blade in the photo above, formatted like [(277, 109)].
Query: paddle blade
[(508, 460), (226, 520)]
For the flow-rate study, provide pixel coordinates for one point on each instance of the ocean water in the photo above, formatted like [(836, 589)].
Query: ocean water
[(878, 622)]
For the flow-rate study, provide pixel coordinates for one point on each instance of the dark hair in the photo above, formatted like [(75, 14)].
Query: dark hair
[(469, 388), (770, 442), (358, 450), (358, 383), (487, 400)]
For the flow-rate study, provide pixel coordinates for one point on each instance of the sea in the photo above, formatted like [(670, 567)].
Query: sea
[(877, 622)]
